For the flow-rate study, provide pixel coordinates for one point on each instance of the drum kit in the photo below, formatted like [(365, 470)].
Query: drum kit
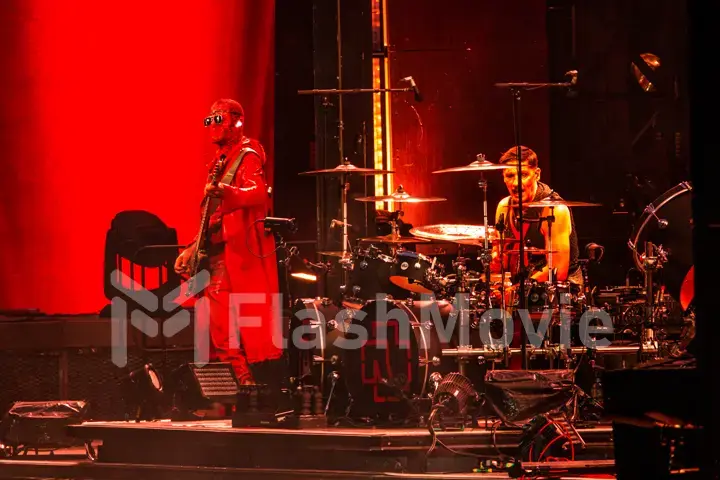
[(440, 309)]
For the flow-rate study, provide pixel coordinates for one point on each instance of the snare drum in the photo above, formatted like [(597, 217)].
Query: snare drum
[(413, 272)]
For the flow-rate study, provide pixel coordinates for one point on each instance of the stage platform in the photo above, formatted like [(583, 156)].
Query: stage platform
[(213, 449), (346, 452)]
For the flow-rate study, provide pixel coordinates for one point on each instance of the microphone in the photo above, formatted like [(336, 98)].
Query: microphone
[(413, 85), (276, 222), (316, 267), (338, 223)]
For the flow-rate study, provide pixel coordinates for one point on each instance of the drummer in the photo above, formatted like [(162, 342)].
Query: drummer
[(565, 251)]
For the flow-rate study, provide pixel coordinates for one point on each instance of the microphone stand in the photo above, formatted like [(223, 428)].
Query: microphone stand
[(515, 89)]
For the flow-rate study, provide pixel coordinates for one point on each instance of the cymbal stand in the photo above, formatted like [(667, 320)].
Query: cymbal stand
[(515, 89), (652, 260), (550, 220), (500, 228), (394, 220), (485, 256), (460, 266)]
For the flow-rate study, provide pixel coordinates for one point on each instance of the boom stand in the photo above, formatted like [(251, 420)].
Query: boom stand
[(515, 89)]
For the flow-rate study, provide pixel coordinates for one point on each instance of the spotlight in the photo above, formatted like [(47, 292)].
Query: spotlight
[(455, 393), (143, 394), (301, 269), (453, 396)]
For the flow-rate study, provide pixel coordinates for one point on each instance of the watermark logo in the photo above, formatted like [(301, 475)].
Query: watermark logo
[(147, 325)]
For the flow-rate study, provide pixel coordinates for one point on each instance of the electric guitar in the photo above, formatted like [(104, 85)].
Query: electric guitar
[(197, 262)]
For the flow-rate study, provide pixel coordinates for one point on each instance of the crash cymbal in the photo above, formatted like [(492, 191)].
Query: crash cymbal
[(338, 253), (479, 165), (347, 169), (394, 240), (452, 233), (400, 196), (557, 203)]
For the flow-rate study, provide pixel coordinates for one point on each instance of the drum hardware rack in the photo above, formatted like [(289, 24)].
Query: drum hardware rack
[(493, 353), (652, 260)]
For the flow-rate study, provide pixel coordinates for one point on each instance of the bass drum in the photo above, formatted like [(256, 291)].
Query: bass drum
[(667, 222), (396, 362)]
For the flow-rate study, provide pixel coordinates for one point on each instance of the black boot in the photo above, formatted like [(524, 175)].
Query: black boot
[(275, 374)]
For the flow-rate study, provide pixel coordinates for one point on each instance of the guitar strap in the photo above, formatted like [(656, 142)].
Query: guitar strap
[(229, 175)]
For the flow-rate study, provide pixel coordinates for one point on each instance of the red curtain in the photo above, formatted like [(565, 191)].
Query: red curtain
[(102, 108)]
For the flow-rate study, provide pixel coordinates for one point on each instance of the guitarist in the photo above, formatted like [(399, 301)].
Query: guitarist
[(240, 254)]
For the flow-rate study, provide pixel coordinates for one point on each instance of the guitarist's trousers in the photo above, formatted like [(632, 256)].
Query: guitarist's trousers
[(225, 341)]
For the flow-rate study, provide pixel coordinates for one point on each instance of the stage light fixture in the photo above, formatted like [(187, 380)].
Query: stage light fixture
[(651, 61), (197, 387), (304, 270), (143, 394), (454, 394)]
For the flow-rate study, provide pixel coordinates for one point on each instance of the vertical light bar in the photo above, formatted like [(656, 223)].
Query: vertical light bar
[(378, 134), (381, 102), (389, 184)]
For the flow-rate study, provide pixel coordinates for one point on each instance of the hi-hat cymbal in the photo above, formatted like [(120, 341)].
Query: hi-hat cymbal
[(347, 169), (394, 240), (476, 166), (452, 233), (558, 203), (400, 196)]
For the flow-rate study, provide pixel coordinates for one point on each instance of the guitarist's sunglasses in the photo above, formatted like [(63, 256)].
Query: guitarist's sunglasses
[(208, 120)]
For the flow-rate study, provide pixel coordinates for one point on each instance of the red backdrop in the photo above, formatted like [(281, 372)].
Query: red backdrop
[(102, 108), (456, 53)]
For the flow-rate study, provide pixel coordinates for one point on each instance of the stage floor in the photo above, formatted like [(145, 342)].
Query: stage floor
[(214, 449)]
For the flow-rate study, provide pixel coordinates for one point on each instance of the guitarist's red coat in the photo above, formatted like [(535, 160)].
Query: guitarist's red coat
[(250, 260)]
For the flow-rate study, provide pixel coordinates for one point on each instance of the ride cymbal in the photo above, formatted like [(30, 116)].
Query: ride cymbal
[(400, 196), (452, 233), (347, 169), (394, 240), (476, 166), (558, 203)]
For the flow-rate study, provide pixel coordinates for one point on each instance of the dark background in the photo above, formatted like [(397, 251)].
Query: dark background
[(607, 141)]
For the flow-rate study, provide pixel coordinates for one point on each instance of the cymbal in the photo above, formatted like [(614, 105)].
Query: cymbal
[(338, 253), (394, 240), (452, 233), (476, 166), (530, 251), (400, 196), (558, 203), (347, 169)]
